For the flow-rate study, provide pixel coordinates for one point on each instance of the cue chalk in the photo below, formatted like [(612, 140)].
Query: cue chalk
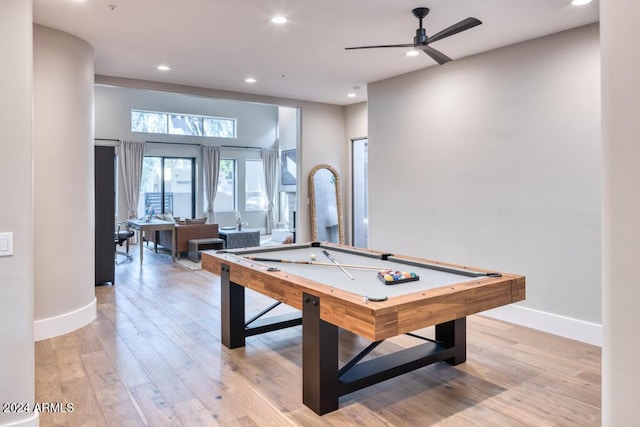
[(328, 255)]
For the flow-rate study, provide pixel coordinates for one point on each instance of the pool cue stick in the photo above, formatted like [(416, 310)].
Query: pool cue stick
[(321, 264), (328, 255)]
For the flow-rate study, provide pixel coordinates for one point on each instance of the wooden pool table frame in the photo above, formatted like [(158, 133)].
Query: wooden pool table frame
[(325, 309)]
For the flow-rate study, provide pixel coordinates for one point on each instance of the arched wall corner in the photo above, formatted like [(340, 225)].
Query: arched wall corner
[(63, 186), (64, 323), (32, 421)]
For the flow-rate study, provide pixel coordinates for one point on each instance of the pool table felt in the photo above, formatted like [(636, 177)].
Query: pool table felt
[(365, 282)]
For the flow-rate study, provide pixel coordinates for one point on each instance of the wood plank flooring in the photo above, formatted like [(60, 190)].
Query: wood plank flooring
[(153, 357)]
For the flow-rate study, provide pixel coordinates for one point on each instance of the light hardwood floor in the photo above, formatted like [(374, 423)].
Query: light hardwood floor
[(153, 357)]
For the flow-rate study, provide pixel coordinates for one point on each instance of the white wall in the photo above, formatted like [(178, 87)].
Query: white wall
[(621, 210), (356, 124), (63, 183), (494, 160), (16, 174)]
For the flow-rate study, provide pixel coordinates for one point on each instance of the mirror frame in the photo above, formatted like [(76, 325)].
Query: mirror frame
[(312, 202)]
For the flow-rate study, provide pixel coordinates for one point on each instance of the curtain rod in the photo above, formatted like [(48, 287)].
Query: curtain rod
[(182, 143)]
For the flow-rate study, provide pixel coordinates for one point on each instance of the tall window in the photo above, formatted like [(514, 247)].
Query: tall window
[(226, 195), (167, 186), (255, 188), (181, 124)]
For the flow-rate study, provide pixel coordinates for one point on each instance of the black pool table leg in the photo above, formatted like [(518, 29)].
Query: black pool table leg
[(319, 359), (232, 310), (454, 334)]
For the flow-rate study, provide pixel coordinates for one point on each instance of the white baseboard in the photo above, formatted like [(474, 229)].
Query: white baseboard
[(579, 330), (64, 323), (32, 421)]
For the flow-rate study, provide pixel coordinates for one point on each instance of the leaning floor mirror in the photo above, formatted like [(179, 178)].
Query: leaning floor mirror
[(326, 205)]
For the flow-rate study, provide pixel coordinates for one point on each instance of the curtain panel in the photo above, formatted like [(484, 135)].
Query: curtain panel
[(211, 170), (131, 154), (270, 162)]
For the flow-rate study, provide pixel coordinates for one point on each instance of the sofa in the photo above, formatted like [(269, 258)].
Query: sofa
[(184, 233)]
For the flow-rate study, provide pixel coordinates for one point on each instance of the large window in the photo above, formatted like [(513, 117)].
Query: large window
[(167, 186), (255, 192), (226, 195), (181, 124)]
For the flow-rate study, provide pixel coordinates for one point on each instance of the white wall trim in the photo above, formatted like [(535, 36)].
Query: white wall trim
[(32, 421), (579, 330), (64, 323)]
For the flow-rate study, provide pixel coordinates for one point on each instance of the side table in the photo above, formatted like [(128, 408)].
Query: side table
[(197, 245), (240, 238)]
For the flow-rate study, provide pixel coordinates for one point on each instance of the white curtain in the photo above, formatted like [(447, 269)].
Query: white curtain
[(211, 169), (131, 154), (270, 162)]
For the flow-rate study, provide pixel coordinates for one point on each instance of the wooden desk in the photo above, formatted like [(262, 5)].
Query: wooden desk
[(361, 304), (153, 225)]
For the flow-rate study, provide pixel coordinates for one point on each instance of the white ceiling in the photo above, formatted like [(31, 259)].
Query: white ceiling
[(218, 43)]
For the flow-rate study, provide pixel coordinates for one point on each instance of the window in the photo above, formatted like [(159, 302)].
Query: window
[(185, 125), (255, 193), (226, 195), (144, 121), (181, 124), (222, 128), (167, 186)]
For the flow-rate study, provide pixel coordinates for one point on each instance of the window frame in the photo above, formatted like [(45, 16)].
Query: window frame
[(235, 187), (200, 118), (264, 185)]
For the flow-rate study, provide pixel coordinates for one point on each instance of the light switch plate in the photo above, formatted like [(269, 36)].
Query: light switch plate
[(6, 244)]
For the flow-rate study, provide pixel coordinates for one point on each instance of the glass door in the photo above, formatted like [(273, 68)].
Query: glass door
[(360, 191), (178, 189), (167, 186)]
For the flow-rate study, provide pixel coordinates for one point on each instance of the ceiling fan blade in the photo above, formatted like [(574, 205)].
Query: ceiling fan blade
[(465, 24), (375, 47), (437, 56)]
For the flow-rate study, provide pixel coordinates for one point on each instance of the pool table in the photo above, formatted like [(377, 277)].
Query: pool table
[(351, 296)]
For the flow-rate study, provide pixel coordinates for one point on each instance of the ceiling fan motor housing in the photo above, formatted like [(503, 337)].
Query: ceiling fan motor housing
[(421, 37)]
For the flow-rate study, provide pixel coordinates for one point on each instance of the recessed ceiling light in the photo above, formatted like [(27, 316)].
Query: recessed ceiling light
[(580, 2), (163, 68), (413, 53), (250, 80), (279, 20), (351, 95)]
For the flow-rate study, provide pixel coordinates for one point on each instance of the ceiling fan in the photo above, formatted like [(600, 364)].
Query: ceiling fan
[(422, 42)]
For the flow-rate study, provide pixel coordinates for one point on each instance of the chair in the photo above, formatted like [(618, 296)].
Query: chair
[(122, 236)]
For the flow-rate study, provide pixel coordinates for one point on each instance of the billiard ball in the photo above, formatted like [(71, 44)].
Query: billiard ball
[(312, 256)]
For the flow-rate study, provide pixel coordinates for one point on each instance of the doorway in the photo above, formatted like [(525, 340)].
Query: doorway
[(360, 191)]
